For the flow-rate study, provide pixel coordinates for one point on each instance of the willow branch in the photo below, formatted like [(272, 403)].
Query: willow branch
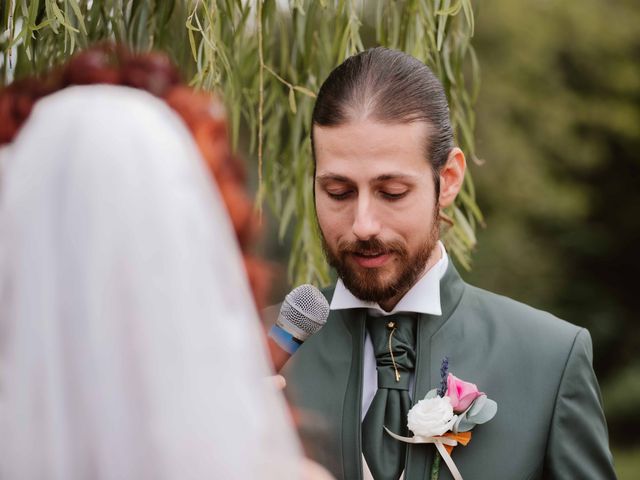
[(260, 104)]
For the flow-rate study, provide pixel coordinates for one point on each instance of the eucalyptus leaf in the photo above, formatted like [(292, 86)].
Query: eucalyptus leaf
[(477, 406), (480, 411), (431, 394), (486, 413)]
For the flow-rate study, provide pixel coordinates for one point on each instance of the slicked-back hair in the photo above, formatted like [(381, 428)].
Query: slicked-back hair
[(387, 86)]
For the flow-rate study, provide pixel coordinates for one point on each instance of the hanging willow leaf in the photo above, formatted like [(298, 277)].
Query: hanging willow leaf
[(442, 23), (225, 46), (451, 10), (292, 101), (76, 10), (306, 91)]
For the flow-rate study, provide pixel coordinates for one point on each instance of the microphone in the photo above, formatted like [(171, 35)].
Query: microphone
[(303, 313)]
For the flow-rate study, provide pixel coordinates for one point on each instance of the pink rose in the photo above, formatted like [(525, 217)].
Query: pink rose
[(461, 393)]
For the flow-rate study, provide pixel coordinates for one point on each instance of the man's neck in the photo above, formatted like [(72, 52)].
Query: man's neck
[(389, 304)]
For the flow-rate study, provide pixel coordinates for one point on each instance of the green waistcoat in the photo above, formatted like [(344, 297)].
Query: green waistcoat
[(535, 366)]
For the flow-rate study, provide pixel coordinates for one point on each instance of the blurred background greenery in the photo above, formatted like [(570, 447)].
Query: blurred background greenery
[(558, 122)]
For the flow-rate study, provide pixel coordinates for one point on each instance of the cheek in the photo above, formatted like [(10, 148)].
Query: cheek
[(414, 224), (326, 221), (333, 221)]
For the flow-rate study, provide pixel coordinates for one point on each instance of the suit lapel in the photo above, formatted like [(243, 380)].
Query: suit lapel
[(354, 321), (435, 336)]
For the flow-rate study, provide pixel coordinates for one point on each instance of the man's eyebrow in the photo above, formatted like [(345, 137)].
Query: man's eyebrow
[(380, 178), (393, 176), (325, 177)]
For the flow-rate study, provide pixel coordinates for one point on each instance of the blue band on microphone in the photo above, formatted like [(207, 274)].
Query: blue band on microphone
[(284, 339)]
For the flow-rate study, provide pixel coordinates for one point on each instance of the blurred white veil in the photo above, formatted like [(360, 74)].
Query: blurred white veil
[(129, 344)]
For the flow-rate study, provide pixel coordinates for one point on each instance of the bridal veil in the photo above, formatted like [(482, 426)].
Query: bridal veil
[(130, 347)]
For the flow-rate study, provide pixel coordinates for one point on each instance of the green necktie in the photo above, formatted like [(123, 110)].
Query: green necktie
[(393, 339)]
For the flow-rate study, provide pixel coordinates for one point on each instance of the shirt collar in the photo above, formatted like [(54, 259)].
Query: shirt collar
[(423, 297)]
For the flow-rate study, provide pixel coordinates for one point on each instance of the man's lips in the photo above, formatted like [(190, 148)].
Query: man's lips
[(370, 260)]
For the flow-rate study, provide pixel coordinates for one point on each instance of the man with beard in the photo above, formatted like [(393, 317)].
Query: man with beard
[(385, 164)]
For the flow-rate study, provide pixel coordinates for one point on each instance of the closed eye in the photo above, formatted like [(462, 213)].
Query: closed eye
[(393, 196), (340, 195)]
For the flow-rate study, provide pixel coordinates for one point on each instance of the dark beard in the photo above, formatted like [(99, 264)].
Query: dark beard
[(364, 283)]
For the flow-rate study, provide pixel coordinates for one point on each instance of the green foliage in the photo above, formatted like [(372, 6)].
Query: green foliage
[(627, 463), (267, 59), (558, 118)]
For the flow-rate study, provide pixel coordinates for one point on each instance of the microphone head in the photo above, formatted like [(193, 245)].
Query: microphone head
[(303, 312)]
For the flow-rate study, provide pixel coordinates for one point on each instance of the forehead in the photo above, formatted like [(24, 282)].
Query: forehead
[(370, 148)]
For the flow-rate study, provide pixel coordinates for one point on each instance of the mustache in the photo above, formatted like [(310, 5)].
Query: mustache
[(373, 245)]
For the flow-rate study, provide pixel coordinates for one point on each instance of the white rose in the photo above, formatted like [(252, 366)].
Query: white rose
[(431, 417)]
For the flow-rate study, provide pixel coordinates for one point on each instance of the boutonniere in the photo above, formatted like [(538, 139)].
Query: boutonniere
[(446, 416)]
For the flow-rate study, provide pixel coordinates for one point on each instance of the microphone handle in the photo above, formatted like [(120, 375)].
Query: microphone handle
[(281, 346)]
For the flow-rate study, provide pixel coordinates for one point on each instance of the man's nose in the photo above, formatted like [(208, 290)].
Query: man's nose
[(365, 224)]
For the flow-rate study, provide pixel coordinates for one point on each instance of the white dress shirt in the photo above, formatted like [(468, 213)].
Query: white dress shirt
[(423, 297)]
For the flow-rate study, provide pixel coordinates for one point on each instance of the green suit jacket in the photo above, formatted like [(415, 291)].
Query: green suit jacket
[(537, 368)]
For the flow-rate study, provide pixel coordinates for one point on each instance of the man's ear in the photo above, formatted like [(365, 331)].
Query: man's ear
[(451, 177)]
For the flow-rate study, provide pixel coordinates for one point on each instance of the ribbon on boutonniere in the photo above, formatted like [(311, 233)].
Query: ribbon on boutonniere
[(446, 416)]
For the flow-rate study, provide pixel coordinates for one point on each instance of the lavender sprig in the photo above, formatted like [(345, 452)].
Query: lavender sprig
[(442, 389), (444, 371)]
